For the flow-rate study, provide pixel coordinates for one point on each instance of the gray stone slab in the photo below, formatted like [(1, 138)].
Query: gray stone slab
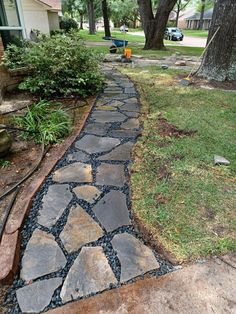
[(87, 193), (130, 124), (36, 296), (108, 174), (108, 116), (54, 203), (132, 100), (76, 172), (130, 90), (78, 156), (42, 256), (96, 144), (90, 273), (136, 258), (120, 153), (120, 133), (130, 107), (131, 114), (97, 128), (112, 211), (116, 103), (219, 160), (80, 229)]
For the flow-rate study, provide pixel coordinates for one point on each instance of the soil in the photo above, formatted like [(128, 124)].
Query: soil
[(166, 129)]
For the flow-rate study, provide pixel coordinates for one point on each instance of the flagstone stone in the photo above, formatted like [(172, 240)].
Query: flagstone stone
[(136, 258), (54, 203), (88, 193), (76, 172), (130, 124), (36, 296), (97, 128), (122, 133), (130, 107), (108, 174), (78, 156), (108, 116), (132, 100), (42, 256), (130, 90), (90, 273), (116, 103), (131, 114), (120, 153), (96, 144), (112, 211), (80, 229)]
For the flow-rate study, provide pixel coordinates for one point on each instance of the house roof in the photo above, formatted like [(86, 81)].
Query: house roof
[(207, 15), (53, 4), (186, 13)]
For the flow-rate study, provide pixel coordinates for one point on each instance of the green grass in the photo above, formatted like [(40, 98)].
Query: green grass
[(138, 50), (195, 33), (187, 203)]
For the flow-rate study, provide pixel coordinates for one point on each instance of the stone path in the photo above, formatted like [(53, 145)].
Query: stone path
[(79, 239)]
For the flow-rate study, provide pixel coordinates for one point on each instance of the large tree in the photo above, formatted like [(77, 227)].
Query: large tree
[(106, 18), (180, 6), (91, 17), (219, 62), (154, 24)]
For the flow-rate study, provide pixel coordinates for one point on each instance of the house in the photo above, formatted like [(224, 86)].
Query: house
[(194, 20), (19, 17), (183, 15)]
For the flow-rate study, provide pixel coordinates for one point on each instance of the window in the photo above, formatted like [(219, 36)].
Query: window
[(11, 21)]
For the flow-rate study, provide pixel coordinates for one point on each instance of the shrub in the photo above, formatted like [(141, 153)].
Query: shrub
[(67, 24), (15, 55), (43, 123), (61, 66)]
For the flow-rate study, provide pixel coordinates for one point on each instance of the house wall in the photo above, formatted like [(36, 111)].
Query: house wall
[(11, 14), (35, 17), (53, 20)]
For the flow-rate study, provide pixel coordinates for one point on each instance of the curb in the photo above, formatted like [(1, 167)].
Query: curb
[(10, 243)]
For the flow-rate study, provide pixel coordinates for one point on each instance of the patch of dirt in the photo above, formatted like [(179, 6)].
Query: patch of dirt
[(209, 213), (166, 129), (3, 308), (163, 173)]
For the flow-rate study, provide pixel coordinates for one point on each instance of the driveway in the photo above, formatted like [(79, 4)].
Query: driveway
[(188, 41)]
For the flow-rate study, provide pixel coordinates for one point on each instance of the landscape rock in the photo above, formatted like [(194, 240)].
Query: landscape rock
[(78, 156), (136, 258), (88, 193), (108, 174), (76, 172), (120, 153), (41, 257), (219, 160), (130, 124), (97, 128), (36, 296), (96, 144), (181, 63), (108, 116), (80, 229), (54, 204), (90, 273), (112, 211)]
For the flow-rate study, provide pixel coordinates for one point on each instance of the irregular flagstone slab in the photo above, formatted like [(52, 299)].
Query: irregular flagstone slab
[(90, 273), (130, 124), (120, 153), (76, 172), (54, 203), (95, 144), (136, 258), (107, 108), (116, 103), (97, 128), (35, 297), (108, 116), (87, 192), (125, 133), (42, 256), (78, 156), (130, 107), (79, 230), (110, 175), (131, 114), (112, 211), (132, 100), (130, 90)]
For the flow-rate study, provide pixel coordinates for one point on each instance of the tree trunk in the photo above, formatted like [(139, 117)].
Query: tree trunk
[(91, 16), (154, 26), (81, 21), (106, 18), (200, 25), (177, 16), (219, 62)]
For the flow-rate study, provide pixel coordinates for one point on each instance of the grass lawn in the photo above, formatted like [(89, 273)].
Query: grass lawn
[(138, 50), (187, 203), (195, 33)]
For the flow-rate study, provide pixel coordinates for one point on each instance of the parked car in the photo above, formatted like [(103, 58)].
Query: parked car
[(124, 28), (173, 33)]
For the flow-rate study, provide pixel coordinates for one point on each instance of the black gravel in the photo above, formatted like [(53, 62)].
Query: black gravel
[(31, 222)]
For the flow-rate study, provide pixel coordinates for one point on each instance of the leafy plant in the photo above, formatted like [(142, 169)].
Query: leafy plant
[(4, 163), (60, 65), (44, 124), (67, 24), (15, 55)]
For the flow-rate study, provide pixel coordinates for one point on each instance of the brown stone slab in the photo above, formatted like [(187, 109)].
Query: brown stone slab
[(88, 193), (76, 172), (198, 289), (120, 153), (108, 174), (9, 256), (96, 144)]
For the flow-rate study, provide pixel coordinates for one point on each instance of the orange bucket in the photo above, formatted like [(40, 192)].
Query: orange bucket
[(128, 53)]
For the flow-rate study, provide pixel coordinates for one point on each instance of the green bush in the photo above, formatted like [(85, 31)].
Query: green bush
[(43, 123), (67, 24), (60, 65), (15, 55)]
